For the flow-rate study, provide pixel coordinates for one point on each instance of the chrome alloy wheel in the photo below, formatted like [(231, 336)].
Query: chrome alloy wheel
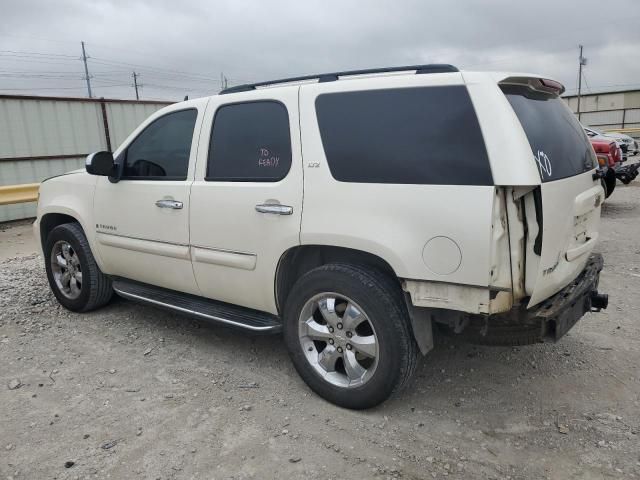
[(338, 340), (66, 269)]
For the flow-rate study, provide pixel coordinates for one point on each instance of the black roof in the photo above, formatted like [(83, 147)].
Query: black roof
[(334, 76)]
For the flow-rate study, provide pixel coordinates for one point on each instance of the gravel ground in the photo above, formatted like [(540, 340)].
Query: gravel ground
[(130, 391)]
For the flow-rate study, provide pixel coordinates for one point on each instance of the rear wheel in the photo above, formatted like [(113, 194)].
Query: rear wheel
[(348, 335), (73, 274)]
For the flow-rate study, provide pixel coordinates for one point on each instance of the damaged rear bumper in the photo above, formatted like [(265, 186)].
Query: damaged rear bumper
[(559, 313), (549, 320)]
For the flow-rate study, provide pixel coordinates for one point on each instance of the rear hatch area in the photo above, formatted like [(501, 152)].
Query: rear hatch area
[(562, 214)]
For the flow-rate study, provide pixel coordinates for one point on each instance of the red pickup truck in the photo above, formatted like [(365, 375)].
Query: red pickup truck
[(607, 151), (609, 156)]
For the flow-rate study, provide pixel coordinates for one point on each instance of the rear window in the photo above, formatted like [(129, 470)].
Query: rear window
[(560, 147), (425, 135)]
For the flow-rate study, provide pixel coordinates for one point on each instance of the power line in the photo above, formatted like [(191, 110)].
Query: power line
[(97, 78), (140, 66), (57, 61), (54, 59), (61, 88), (163, 74), (35, 54), (105, 78), (611, 85), (168, 87), (39, 75)]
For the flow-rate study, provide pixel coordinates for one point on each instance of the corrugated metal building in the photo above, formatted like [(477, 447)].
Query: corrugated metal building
[(45, 136), (609, 110)]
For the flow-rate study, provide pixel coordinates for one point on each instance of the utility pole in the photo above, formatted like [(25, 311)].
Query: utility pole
[(581, 63), (86, 71), (135, 84), (224, 83)]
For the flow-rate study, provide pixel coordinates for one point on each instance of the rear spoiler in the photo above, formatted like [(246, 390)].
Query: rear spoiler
[(537, 84)]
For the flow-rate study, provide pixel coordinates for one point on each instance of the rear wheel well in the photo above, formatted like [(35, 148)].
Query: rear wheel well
[(50, 221), (297, 261)]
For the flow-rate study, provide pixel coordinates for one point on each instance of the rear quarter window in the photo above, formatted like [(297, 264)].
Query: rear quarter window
[(425, 135), (560, 147)]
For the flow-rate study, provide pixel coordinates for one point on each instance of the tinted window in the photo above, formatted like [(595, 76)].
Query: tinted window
[(250, 142), (162, 150), (559, 144), (426, 135)]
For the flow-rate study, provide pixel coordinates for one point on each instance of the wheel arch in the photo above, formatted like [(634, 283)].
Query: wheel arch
[(51, 220), (54, 217), (300, 259)]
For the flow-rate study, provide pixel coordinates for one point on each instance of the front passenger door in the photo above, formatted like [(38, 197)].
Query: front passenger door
[(142, 221)]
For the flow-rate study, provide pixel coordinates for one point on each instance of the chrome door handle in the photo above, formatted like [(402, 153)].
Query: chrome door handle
[(274, 208), (169, 204)]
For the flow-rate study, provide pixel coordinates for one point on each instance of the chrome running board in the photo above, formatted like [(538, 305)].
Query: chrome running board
[(210, 310)]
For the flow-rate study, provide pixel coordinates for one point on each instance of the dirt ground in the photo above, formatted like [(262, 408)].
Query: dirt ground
[(130, 391)]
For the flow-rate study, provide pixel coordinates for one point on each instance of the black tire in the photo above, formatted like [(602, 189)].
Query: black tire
[(381, 299), (609, 182), (96, 289)]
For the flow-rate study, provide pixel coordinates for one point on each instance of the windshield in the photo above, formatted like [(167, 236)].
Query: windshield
[(560, 146)]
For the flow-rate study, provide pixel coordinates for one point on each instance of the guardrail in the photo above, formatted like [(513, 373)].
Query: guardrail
[(623, 130), (10, 194)]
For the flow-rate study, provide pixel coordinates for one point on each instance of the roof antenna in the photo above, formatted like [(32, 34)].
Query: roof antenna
[(186, 97)]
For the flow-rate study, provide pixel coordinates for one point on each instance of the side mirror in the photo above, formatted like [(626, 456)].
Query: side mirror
[(100, 163)]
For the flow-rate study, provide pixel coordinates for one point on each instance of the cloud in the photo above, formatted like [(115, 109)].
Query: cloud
[(182, 47)]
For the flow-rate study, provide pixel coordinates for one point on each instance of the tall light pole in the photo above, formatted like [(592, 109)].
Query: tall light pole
[(581, 63)]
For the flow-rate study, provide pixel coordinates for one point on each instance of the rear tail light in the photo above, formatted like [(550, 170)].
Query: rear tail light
[(602, 159), (613, 154), (556, 87), (614, 151)]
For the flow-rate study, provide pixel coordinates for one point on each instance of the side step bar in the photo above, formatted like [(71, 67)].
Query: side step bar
[(210, 310)]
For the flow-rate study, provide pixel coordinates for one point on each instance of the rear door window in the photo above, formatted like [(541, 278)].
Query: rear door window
[(560, 146), (250, 142), (424, 135)]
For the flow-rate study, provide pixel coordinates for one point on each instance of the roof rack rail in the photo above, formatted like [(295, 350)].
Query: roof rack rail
[(333, 76)]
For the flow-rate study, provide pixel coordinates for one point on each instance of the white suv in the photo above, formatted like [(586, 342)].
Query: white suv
[(351, 212)]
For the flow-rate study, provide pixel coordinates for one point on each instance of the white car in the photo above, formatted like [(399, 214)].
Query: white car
[(627, 144), (348, 213)]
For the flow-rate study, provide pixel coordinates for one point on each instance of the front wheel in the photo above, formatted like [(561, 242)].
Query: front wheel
[(73, 274), (348, 334)]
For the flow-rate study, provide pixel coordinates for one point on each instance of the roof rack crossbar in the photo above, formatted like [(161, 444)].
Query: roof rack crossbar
[(334, 76)]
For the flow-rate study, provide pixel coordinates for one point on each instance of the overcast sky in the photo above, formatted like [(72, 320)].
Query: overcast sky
[(181, 47)]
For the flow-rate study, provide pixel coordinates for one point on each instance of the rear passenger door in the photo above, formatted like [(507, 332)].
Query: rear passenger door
[(246, 201)]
